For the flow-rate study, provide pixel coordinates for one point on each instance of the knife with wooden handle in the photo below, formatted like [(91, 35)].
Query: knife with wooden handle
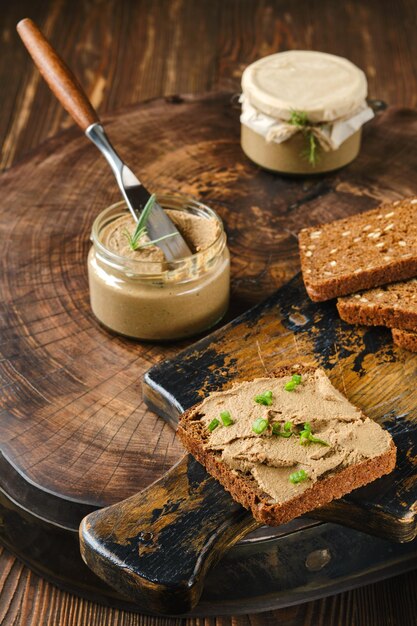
[(69, 92)]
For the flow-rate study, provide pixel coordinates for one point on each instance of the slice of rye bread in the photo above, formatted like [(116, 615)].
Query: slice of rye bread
[(360, 252), (393, 305), (405, 339), (243, 487)]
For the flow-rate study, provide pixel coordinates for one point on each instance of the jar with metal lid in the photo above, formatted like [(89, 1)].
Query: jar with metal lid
[(146, 297), (303, 111)]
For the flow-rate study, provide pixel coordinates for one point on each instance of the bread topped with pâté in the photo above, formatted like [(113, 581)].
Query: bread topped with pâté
[(286, 444)]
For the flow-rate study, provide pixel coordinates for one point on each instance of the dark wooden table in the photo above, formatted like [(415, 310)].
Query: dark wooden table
[(126, 51)]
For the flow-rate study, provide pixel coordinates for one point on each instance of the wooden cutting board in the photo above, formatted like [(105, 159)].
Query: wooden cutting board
[(170, 534), (361, 362), (75, 434)]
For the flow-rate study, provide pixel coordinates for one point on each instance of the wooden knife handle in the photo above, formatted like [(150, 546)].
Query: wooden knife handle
[(156, 546), (59, 77)]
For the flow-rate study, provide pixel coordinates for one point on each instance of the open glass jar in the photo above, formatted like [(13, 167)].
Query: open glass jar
[(160, 300)]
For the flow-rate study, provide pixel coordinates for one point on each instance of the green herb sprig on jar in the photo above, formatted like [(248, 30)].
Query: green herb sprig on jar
[(300, 120)]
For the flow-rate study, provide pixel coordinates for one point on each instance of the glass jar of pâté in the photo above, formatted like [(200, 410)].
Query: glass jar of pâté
[(139, 294)]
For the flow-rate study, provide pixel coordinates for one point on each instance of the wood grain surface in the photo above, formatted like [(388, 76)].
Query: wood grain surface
[(73, 421), (124, 52)]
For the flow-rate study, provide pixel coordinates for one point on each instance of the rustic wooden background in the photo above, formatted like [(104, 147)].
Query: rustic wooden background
[(126, 51)]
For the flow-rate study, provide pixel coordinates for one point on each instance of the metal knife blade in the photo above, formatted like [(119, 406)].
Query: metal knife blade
[(158, 224), (136, 196)]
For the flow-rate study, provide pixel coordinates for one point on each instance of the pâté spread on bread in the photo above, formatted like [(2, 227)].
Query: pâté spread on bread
[(285, 444), (134, 291)]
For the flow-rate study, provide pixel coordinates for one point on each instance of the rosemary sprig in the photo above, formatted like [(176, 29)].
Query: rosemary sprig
[(311, 152), (140, 229), (300, 120)]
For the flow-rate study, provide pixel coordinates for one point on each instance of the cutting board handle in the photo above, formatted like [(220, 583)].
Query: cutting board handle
[(157, 546), (59, 77)]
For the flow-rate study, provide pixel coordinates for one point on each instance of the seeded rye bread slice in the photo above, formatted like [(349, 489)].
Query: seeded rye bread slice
[(393, 305), (360, 252), (405, 339), (244, 489)]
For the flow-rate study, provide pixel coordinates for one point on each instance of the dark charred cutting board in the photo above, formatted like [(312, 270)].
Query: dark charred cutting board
[(361, 362), (74, 432), (171, 533)]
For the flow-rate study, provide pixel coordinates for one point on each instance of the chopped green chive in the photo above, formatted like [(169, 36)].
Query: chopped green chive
[(290, 386), (276, 429), (259, 425), (306, 436), (226, 418), (316, 440), (213, 425), (293, 383), (287, 432), (298, 477), (264, 398)]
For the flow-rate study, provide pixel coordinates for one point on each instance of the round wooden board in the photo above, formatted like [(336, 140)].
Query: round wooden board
[(73, 425), (73, 422)]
